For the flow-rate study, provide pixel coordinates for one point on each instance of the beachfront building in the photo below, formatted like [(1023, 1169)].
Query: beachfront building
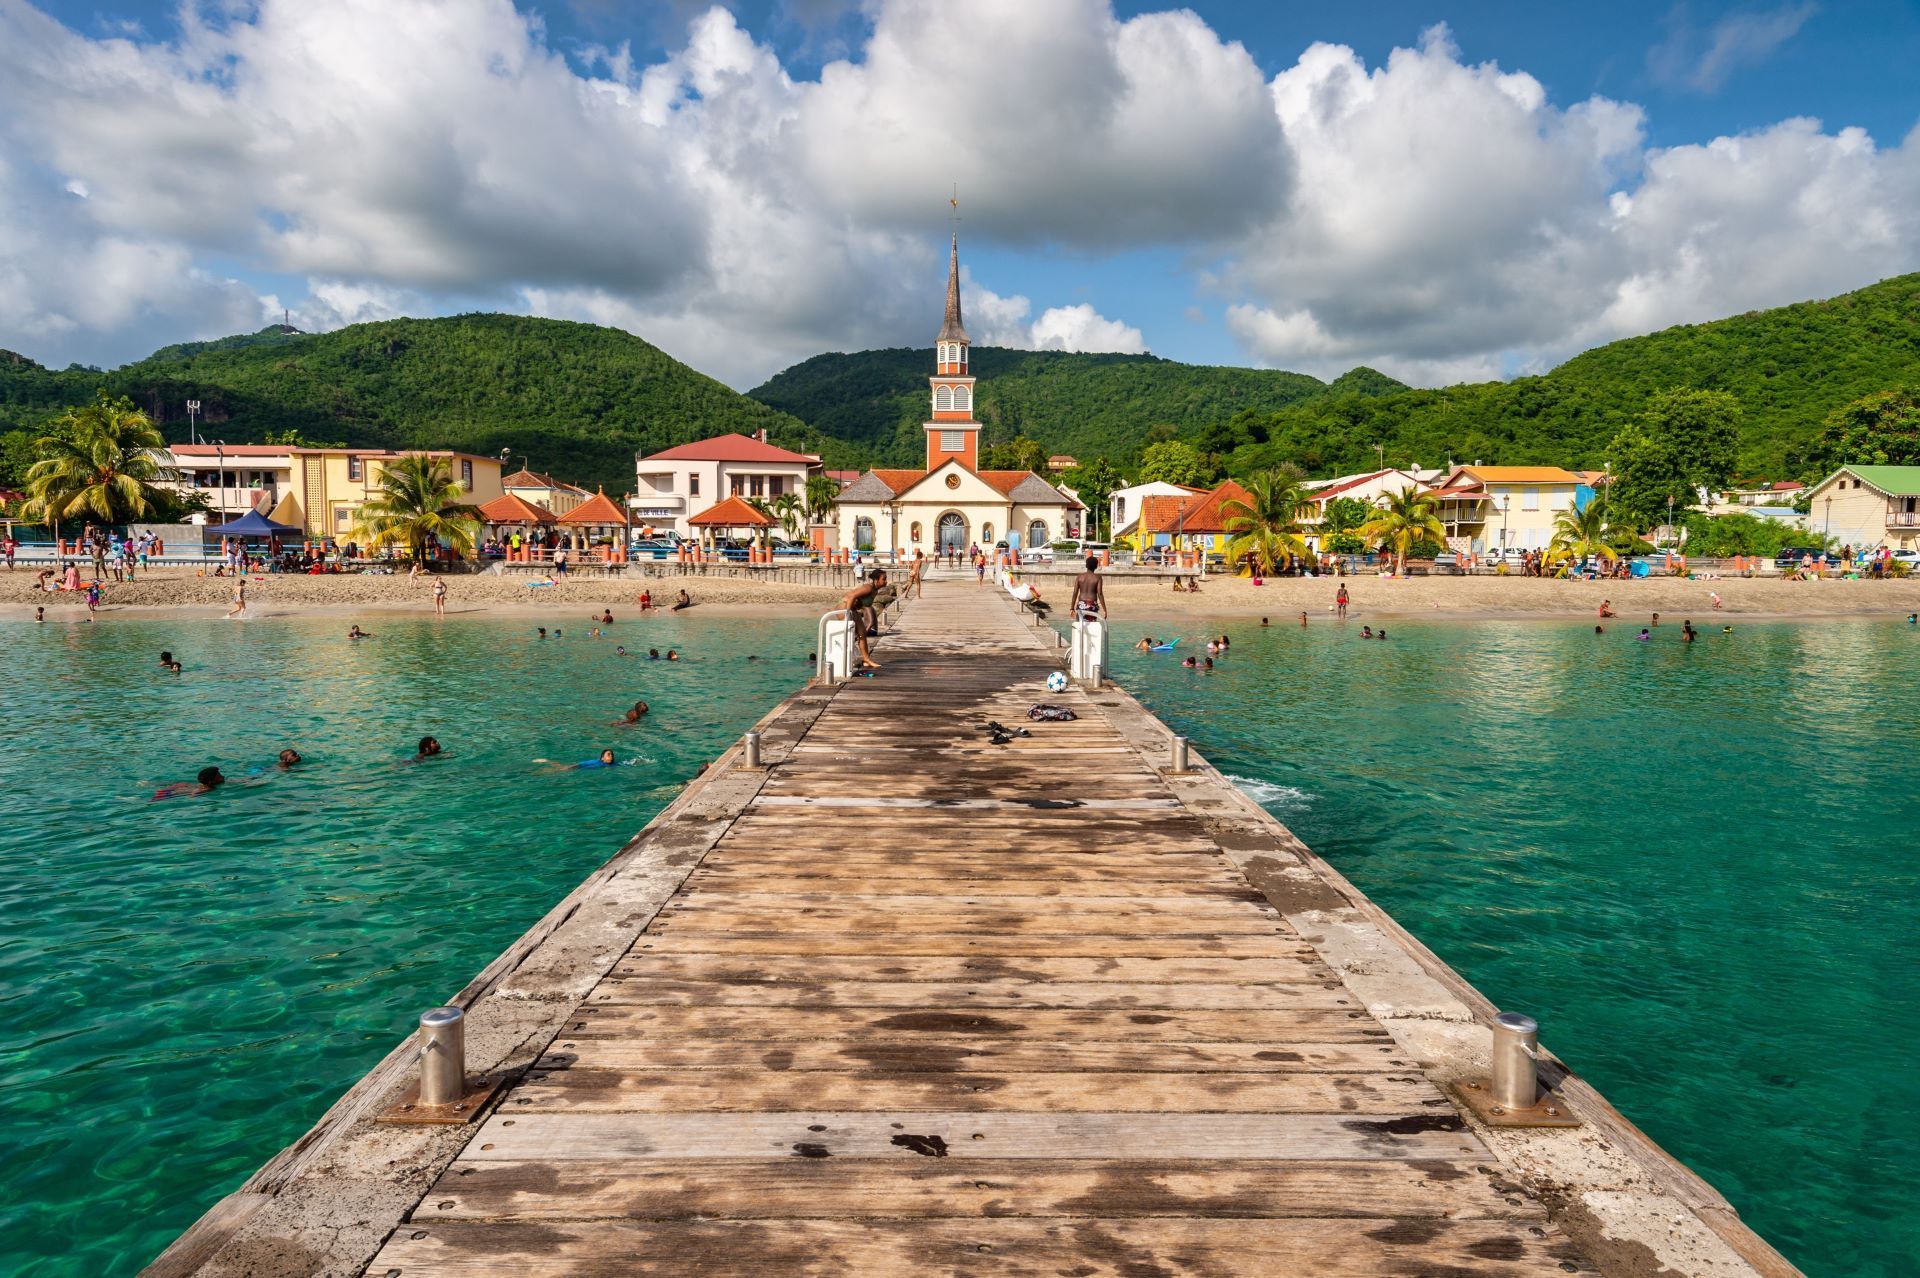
[(1194, 520), (1125, 504), (1867, 507), (555, 495), (319, 490), (1371, 488), (951, 504), (1487, 509), (675, 484)]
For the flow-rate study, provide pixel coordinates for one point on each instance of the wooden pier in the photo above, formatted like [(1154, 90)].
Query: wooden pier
[(906, 1001)]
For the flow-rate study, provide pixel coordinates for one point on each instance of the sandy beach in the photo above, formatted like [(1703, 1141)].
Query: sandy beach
[(1513, 597), (182, 592)]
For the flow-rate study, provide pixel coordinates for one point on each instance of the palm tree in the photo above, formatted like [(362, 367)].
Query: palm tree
[(1267, 525), (100, 463), (823, 497), (417, 498), (1404, 520), (787, 509), (1579, 533)]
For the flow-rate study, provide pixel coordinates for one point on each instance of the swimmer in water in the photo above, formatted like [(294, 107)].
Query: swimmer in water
[(633, 715), (174, 668), (672, 655), (606, 617), (287, 759), (604, 759), (208, 781), (1303, 621), (1644, 633), (1263, 621), (1382, 634), (653, 654), (1190, 663), (357, 633), (166, 659), (39, 614), (1599, 630), (543, 632), (428, 749), (1145, 645), (1366, 632)]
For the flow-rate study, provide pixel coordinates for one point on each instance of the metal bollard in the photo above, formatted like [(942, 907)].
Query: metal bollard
[(829, 674), (1516, 1078), (1179, 754), (752, 740), (443, 1056)]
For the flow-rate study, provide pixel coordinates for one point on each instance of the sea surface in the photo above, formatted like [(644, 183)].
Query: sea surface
[(1697, 865), (186, 985)]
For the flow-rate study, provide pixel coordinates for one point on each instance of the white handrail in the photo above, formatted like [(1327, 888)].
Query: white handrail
[(820, 662)]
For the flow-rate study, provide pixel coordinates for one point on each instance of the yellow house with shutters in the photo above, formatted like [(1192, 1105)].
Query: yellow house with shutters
[(318, 489)]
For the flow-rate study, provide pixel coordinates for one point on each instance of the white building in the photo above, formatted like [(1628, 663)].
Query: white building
[(676, 484), (1125, 504), (951, 504)]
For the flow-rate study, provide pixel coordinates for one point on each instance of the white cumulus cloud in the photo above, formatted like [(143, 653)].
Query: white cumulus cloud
[(993, 320)]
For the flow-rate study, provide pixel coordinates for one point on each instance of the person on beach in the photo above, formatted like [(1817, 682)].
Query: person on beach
[(684, 600), (858, 604), (1656, 621), (560, 562), (439, 597), (1715, 596), (635, 713), (979, 569), (1340, 602), (1089, 591), (1606, 608), (646, 601), (239, 608), (72, 583), (40, 614), (427, 749), (913, 576), (93, 599), (206, 782), (11, 546)]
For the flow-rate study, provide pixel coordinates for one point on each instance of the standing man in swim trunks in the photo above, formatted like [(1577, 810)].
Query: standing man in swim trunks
[(439, 597), (1340, 601), (858, 603), (1089, 592)]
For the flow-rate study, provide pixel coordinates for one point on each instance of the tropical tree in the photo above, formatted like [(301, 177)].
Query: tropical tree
[(1578, 533), (1174, 462), (99, 463), (823, 497), (415, 499), (1405, 519), (1338, 519), (1094, 484), (787, 508), (1266, 526)]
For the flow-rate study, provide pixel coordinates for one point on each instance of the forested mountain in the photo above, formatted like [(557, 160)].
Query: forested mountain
[(1085, 405), (574, 399), (1788, 368)]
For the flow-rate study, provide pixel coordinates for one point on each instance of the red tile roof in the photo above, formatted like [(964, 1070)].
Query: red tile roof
[(509, 509), (1200, 513), (1787, 486), (597, 509), (734, 512), (728, 448), (899, 480)]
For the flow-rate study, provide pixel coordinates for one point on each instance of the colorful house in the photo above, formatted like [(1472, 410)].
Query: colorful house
[(1867, 507)]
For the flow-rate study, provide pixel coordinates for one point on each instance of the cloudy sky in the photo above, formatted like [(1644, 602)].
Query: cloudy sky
[(1446, 190)]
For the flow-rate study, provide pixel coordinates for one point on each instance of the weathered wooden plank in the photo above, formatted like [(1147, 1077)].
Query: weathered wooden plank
[(934, 886), (998, 1056), (646, 990), (1051, 915), (1111, 1092), (733, 860), (969, 1134), (1094, 1248), (1312, 1025), (1269, 945), (843, 1188), (809, 969)]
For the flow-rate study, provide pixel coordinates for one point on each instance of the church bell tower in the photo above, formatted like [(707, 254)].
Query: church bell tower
[(952, 434)]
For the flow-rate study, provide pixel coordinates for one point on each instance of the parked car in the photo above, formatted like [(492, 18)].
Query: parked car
[(1907, 556)]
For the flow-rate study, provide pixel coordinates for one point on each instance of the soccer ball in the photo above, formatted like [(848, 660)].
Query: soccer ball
[(1057, 681)]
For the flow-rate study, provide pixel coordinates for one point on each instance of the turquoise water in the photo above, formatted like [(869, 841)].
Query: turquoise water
[(186, 985), (1697, 866)]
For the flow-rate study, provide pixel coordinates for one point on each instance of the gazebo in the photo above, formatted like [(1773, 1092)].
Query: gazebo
[(597, 516), (730, 517), (508, 513)]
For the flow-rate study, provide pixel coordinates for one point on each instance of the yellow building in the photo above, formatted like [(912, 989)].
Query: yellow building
[(318, 489), (1494, 508), (1867, 507)]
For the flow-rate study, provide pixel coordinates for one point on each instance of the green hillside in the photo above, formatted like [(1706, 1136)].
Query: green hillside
[(1086, 405), (1789, 368), (574, 399)]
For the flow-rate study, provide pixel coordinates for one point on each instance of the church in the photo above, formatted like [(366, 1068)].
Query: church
[(951, 504)]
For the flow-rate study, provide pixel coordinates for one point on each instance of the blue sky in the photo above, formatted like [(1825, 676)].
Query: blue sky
[(1514, 183)]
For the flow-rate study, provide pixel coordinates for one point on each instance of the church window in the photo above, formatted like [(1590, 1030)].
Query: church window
[(863, 533), (1037, 533), (942, 399), (963, 398), (952, 441)]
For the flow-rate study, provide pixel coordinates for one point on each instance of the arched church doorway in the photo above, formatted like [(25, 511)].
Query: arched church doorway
[(953, 532)]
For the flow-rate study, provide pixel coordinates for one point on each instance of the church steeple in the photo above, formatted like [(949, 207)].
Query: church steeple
[(952, 434), (953, 330)]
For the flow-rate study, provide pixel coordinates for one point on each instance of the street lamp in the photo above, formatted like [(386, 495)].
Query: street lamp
[(1829, 514), (220, 475), (1670, 536), (193, 414), (1382, 450)]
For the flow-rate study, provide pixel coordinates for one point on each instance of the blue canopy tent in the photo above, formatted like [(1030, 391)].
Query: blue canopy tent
[(254, 524)]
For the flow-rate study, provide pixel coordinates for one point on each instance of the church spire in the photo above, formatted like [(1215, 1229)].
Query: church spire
[(952, 330)]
